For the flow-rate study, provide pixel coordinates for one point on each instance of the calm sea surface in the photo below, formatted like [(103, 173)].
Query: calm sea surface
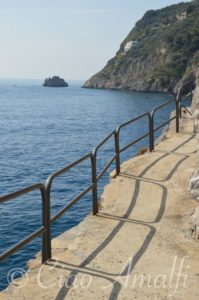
[(44, 129)]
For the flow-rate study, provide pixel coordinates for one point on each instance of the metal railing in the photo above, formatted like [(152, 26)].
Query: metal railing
[(182, 106), (176, 117), (43, 230), (96, 177), (45, 189), (48, 186), (120, 150)]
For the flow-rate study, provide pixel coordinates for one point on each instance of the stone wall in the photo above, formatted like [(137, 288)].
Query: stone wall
[(194, 182), (195, 102)]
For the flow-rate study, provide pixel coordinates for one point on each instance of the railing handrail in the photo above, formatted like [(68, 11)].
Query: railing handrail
[(163, 105), (132, 121), (21, 192), (66, 168), (45, 189), (96, 148), (177, 117), (71, 203), (134, 142), (164, 124), (42, 230)]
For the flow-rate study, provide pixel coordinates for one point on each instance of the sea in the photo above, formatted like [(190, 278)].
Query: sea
[(43, 130)]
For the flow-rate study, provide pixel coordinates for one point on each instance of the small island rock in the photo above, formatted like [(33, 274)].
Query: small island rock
[(55, 81)]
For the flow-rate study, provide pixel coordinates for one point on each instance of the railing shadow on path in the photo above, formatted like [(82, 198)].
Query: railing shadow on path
[(82, 268)]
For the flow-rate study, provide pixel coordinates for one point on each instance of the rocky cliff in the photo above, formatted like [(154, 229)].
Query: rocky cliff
[(194, 181), (159, 54)]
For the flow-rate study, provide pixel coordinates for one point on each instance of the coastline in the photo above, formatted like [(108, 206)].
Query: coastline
[(127, 89)]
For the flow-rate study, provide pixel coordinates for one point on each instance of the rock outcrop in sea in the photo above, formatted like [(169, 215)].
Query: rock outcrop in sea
[(158, 55), (55, 81)]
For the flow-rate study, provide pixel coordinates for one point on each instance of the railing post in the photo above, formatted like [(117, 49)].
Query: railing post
[(117, 151), (46, 237), (94, 181), (179, 100), (151, 131), (177, 116), (180, 110)]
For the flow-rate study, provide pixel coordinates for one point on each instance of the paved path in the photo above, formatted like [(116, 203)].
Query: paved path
[(139, 246)]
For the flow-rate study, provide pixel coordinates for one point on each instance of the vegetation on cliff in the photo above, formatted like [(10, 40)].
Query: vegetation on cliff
[(160, 51)]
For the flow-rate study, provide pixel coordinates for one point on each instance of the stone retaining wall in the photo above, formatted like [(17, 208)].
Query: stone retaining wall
[(194, 182)]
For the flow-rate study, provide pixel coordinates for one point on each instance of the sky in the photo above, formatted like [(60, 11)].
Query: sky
[(70, 38)]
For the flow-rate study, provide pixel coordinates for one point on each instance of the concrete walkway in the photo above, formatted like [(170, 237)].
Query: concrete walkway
[(139, 246)]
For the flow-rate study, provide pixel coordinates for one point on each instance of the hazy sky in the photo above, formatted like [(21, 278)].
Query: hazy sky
[(73, 39)]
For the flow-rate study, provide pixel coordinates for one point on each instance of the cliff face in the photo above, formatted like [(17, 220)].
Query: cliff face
[(195, 101), (194, 181), (159, 54)]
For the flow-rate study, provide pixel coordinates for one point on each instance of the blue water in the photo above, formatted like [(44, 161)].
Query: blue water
[(44, 129)]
